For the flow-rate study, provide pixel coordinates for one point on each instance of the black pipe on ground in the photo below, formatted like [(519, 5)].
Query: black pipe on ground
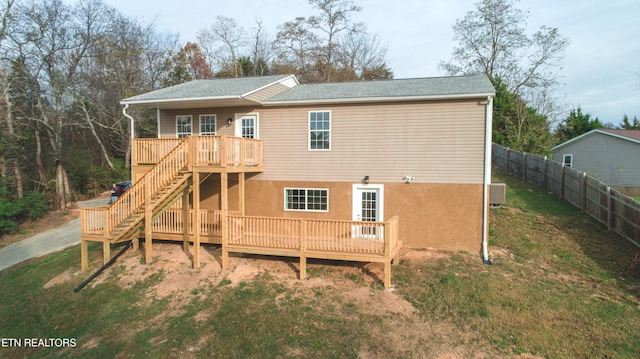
[(109, 263)]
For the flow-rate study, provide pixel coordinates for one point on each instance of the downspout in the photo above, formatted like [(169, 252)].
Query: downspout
[(158, 120), (124, 112), (487, 179)]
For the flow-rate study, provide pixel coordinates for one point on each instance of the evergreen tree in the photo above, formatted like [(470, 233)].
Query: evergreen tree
[(517, 125), (630, 124), (576, 124)]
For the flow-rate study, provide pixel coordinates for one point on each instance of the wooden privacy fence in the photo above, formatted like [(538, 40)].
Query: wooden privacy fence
[(307, 238), (620, 213)]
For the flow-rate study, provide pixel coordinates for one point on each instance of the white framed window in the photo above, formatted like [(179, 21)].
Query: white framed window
[(306, 199), (319, 130), (183, 126), (207, 125), (567, 160)]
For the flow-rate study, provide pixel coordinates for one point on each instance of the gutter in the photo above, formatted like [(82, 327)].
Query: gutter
[(373, 99), (487, 180)]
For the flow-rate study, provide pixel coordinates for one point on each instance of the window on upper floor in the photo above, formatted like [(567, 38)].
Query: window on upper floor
[(567, 160), (208, 125), (306, 199), (319, 130), (183, 126)]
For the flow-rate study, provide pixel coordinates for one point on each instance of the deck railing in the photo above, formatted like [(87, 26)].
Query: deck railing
[(207, 150), (170, 222), (151, 150), (305, 235)]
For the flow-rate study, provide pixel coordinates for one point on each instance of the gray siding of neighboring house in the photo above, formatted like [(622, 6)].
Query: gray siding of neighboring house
[(612, 160)]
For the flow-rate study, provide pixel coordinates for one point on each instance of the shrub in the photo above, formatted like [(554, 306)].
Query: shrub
[(12, 212), (33, 205)]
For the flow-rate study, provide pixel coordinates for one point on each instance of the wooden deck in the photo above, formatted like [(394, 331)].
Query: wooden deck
[(321, 239), (166, 177)]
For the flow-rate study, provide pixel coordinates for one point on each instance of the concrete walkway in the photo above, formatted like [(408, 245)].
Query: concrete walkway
[(47, 242)]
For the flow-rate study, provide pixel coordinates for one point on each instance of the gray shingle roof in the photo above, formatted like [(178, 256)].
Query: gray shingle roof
[(214, 88), (420, 87), (234, 88), (628, 135), (632, 134)]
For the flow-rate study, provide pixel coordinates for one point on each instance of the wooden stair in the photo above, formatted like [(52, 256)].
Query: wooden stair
[(163, 199)]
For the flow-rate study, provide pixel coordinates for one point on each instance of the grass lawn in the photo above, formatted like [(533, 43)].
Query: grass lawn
[(561, 286)]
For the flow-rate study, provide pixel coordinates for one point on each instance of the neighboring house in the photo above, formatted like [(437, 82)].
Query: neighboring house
[(352, 161), (612, 156)]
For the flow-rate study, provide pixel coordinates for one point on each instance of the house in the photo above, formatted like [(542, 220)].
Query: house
[(611, 155), (333, 170)]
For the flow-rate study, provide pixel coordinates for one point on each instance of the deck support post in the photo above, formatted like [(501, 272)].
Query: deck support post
[(303, 249), (136, 243), (387, 255), (196, 220), (148, 224), (241, 179), (224, 207), (224, 240), (84, 255), (185, 220), (106, 252)]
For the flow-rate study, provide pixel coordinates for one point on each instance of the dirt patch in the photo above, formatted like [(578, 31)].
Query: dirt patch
[(180, 281), (60, 278)]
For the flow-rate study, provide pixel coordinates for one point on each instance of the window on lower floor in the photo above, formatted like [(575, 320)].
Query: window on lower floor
[(567, 160), (183, 126), (306, 199), (208, 125)]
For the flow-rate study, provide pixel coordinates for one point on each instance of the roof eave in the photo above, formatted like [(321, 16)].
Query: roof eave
[(378, 99), (174, 100)]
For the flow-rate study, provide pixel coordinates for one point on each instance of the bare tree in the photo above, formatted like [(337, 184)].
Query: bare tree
[(128, 60), (492, 41), (55, 39), (362, 57), (222, 43), (297, 48), (261, 50), (9, 155), (334, 19)]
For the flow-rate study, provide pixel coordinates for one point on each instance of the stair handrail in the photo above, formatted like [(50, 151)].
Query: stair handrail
[(157, 178)]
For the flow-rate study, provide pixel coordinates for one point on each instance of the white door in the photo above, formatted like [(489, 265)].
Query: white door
[(246, 126), (368, 206)]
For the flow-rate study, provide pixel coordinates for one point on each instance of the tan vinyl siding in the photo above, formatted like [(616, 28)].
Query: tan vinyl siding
[(268, 92), (432, 141), (435, 142), (168, 120)]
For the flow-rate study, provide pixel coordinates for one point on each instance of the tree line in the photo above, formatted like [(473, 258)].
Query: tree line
[(65, 66), (529, 115)]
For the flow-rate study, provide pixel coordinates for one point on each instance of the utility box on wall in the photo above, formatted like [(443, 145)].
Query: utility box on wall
[(497, 194)]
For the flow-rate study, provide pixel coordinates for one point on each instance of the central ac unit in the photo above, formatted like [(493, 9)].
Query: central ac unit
[(497, 194)]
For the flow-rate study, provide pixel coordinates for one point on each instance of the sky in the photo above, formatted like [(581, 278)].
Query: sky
[(600, 71)]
